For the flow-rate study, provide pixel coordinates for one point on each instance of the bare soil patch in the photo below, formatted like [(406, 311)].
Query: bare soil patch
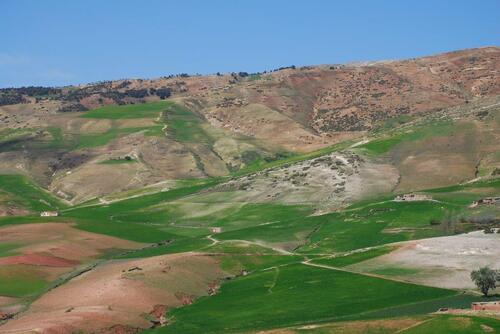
[(444, 262), (120, 293), (328, 182)]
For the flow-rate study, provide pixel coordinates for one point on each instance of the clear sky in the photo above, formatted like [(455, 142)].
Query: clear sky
[(64, 42)]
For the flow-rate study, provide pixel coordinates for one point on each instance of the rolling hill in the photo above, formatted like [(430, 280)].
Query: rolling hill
[(319, 199)]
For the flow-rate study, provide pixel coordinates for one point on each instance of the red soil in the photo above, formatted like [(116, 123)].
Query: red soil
[(38, 260)]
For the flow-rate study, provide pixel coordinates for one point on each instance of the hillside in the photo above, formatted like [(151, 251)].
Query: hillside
[(217, 125), (322, 199)]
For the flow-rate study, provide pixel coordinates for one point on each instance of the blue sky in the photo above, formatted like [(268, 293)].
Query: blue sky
[(69, 42)]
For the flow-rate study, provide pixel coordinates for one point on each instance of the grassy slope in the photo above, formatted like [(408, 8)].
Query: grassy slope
[(386, 143), (114, 112), (8, 249), (339, 231), (21, 281), (28, 194), (143, 110), (105, 219), (294, 293), (182, 125), (360, 226), (241, 296), (291, 295), (185, 126), (366, 227), (59, 140), (232, 216), (381, 221), (101, 139)]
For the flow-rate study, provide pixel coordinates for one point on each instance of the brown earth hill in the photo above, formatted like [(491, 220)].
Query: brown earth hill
[(324, 99), (243, 116)]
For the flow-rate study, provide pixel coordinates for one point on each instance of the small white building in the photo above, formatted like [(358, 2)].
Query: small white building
[(49, 214), (216, 229)]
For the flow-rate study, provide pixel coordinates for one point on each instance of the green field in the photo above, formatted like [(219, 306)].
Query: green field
[(387, 143), (69, 141), (27, 194), (76, 141), (234, 263), (290, 295), (142, 110), (101, 139), (118, 161), (184, 125), (287, 231), (378, 223), (233, 216), (129, 231), (20, 281), (8, 249), (136, 203), (121, 219)]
